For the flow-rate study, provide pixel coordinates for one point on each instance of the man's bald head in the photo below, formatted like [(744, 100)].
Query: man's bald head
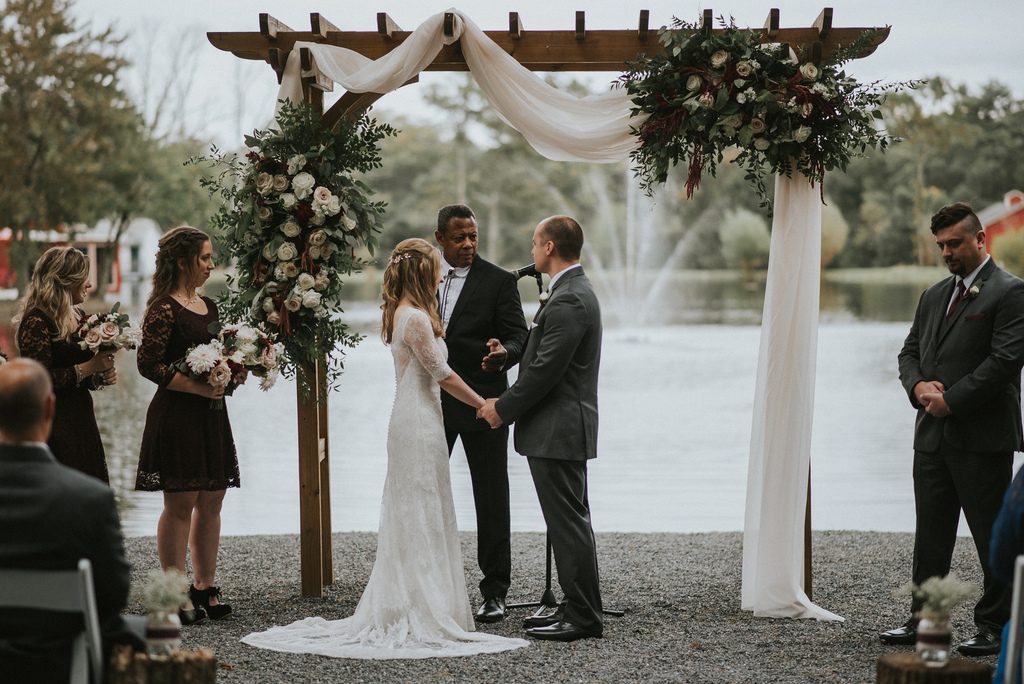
[(26, 401)]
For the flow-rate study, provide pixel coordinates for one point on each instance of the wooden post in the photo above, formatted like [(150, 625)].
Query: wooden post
[(324, 453), (311, 514)]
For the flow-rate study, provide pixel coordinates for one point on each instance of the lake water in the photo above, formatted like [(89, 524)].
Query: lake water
[(675, 401)]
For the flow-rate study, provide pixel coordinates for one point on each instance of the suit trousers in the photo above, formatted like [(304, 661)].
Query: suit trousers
[(946, 481), (562, 491), (487, 455)]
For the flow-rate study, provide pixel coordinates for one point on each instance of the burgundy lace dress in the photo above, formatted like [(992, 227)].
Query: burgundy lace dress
[(187, 445), (75, 437)]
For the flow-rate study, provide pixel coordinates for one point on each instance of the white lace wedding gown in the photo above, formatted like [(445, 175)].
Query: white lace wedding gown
[(415, 604)]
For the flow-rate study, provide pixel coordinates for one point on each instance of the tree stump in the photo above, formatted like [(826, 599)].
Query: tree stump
[(907, 668), (181, 667)]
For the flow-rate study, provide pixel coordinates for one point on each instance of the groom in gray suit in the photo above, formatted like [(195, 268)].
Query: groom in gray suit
[(554, 407), (960, 366)]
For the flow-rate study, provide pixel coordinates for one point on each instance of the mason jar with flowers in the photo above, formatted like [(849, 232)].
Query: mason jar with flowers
[(938, 596)]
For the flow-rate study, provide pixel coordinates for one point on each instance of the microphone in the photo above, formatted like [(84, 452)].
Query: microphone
[(526, 271)]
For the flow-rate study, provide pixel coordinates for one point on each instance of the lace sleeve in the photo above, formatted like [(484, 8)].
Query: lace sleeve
[(35, 342), (420, 337), (156, 333)]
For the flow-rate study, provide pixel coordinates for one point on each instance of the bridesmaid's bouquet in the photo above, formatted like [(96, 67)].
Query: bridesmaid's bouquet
[(225, 361), (255, 350), (108, 332)]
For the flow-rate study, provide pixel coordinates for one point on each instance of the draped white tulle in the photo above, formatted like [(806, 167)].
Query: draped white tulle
[(559, 125), (415, 604), (563, 127), (780, 439)]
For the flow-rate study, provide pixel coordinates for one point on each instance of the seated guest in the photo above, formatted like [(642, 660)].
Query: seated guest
[(50, 517), (1007, 544)]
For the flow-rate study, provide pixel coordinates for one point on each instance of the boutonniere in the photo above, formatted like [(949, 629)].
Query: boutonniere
[(974, 290), (544, 296)]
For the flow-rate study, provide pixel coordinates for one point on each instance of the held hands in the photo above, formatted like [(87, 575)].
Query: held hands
[(489, 413), (930, 394), (496, 355)]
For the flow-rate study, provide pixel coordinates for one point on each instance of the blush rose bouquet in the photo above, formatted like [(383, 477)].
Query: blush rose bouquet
[(108, 332)]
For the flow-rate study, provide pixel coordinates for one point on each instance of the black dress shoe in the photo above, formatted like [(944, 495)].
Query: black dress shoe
[(190, 616), (545, 616), (201, 600), (983, 643), (562, 631), (492, 610), (906, 634)]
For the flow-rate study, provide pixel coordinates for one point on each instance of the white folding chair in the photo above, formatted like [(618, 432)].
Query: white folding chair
[(66, 591), (1012, 663)]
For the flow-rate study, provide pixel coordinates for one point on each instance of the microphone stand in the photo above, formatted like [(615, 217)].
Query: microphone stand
[(547, 604)]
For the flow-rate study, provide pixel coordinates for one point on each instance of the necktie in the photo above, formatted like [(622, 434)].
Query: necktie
[(444, 294), (960, 290)]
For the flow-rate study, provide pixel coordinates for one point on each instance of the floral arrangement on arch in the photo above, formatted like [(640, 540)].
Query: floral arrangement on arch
[(294, 220), (709, 91)]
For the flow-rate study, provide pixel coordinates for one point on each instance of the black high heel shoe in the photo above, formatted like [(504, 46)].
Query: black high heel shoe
[(201, 600), (190, 616)]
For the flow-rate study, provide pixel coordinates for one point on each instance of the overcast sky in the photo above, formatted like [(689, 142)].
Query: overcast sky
[(967, 41)]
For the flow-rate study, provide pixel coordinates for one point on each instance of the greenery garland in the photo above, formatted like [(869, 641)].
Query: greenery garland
[(293, 219), (710, 91)]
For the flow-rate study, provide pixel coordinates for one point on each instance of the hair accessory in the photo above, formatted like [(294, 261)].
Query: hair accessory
[(398, 258)]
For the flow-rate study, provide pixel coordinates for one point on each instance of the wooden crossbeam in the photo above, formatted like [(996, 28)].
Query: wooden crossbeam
[(707, 20), (581, 26), (644, 27), (515, 26), (386, 26), (771, 24), (320, 25), (271, 27)]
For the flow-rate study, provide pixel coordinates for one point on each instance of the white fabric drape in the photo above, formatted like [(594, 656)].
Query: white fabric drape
[(780, 439), (559, 125), (564, 127)]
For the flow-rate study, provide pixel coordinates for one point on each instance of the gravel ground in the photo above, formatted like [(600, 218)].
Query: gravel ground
[(680, 594)]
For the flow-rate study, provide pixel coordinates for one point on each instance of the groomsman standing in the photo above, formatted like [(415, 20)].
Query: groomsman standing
[(961, 366), (485, 331), (554, 407)]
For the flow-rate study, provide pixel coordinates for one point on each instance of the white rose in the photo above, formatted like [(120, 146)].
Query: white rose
[(719, 58), (288, 200), (269, 253), (280, 183), (321, 195), (321, 313), (311, 299), (305, 281), (809, 71), (706, 100), (318, 218), (802, 134), (761, 144), (694, 82), (315, 251), (274, 318), (741, 97), (733, 121), (293, 304), (319, 237), (348, 222), (295, 164), (291, 270), (268, 304), (757, 125), (333, 206), (744, 69), (264, 183), (287, 251), (290, 228), (264, 213), (806, 110), (279, 272), (321, 282), (272, 287), (303, 185)]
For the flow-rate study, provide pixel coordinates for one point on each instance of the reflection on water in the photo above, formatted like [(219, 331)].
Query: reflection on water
[(676, 403)]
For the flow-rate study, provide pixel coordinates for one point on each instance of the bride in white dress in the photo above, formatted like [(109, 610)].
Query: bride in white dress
[(415, 604)]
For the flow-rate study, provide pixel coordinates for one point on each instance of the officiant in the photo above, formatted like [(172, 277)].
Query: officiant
[(485, 331)]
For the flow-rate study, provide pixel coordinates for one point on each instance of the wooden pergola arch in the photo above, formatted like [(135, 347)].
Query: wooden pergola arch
[(575, 49)]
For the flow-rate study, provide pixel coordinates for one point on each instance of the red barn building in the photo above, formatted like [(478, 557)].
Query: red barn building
[(1002, 218)]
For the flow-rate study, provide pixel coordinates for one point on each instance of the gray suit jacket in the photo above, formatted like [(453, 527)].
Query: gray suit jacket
[(977, 355), (554, 401)]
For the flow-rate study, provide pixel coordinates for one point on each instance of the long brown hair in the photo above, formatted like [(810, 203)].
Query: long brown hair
[(57, 274), (411, 273), (182, 243)]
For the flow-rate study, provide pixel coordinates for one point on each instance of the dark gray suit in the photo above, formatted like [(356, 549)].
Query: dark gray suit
[(964, 460), (554, 407), (50, 517)]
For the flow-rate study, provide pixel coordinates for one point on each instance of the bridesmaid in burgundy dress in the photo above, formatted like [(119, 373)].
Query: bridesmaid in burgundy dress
[(47, 322), (187, 448)]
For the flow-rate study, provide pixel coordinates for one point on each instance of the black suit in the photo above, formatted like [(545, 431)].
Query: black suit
[(554, 407), (964, 460), (488, 306), (50, 517)]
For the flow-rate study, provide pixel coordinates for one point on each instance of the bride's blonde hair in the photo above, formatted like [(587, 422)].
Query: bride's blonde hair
[(58, 273), (412, 273)]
